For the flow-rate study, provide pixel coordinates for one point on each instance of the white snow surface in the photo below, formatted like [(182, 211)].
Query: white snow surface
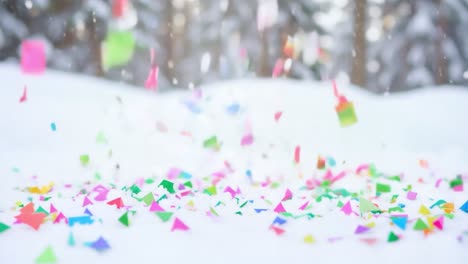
[(393, 132)]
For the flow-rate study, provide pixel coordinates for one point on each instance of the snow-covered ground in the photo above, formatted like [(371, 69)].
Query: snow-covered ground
[(147, 133)]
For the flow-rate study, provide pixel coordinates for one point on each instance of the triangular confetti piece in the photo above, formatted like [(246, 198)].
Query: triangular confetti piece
[(279, 208), (424, 211), (179, 225), (392, 237), (86, 201), (117, 202), (86, 211), (304, 206), (347, 208), (247, 140), (464, 207), (3, 227), (100, 245), (367, 206), (155, 207), (361, 229), (47, 256), (420, 225), (71, 240), (287, 196), (400, 222), (439, 223), (124, 219), (164, 216), (277, 230), (52, 209)]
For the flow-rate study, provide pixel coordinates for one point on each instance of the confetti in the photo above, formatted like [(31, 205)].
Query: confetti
[(124, 219), (179, 225), (82, 220), (33, 56), (24, 96), (53, 126), (47, 256), (3, 227), (100, 245), (151, 82), (117, 49)]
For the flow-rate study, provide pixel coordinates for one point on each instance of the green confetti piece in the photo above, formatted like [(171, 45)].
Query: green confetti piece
[(117, 49), (3, 227), (84, 159), (395, 209), (149, 181), (97, 176), (392, 237), (438, 203), (41, 210), (101, 138), (245, 203), (211, 143), (383, 188), (168, 185), (420, 225), (366, 206), (148, 199), (188, 184), (71, 240), (124, 219), (456, 182), (162, 198), (346, 114), (135, 189), (238, 213), (47, 256), (164, 216), (213, 211), (211, 190)]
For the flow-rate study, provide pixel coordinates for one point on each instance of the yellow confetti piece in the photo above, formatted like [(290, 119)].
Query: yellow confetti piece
[(309, 239), (41, 190), (430, 221), (423, 210), (371, 224)]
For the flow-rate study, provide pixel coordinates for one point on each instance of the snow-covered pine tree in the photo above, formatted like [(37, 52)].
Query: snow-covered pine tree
[(424, 43)]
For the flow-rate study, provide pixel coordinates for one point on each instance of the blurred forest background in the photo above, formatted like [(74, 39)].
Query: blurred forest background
[(381, 45)]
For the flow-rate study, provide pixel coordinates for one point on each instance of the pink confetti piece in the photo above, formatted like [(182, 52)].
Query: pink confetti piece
[(173, 173), (60, 217), (278, 68), (347, 208), (439, 223), (24, 96), (155, 207), (231, 191), (117, 202), (362, 167), (86, 201), (179, 225), (438, 182), (287, 196), (102, 193), (361, 229), (279, 208), (297, 154), (33, 56), (278, 115), (458, 188), (304, 206), (151, 82), (247, 140), (411, 195), (52, 209), (279, 231)]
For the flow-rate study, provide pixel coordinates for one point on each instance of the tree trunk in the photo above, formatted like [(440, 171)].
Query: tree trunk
[(263, 66), (359, 72)]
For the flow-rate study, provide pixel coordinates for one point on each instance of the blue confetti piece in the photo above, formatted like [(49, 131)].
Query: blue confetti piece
[(331, 162), (260, 210), (233, 109), (185, 175), (53, 126), (83, 220), (193, 107), (248, 173), (280, 221), (88, 212)]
